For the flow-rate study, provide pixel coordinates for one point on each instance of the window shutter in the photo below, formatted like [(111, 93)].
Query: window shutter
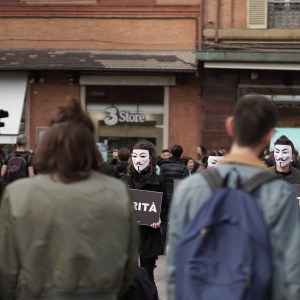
[(257, 14)]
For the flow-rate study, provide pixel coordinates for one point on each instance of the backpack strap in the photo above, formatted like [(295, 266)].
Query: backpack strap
[(213, 178), (258, 180)]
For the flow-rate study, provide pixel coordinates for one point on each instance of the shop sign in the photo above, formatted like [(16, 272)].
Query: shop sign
[(115, 116)]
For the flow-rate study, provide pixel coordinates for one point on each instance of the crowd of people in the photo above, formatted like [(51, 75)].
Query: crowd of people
[(70, 232)]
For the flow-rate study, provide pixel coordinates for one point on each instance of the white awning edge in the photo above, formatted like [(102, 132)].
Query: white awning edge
[(8, 139), (12, 94), (252, 66), (134, 80)]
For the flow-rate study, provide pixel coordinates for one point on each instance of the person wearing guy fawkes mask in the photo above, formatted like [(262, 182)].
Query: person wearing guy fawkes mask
[(283, 150), (141, 175)]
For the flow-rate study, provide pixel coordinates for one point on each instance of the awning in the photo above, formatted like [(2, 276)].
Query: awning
[(102, 60), (12, 95), (252, 66), (249, 56)]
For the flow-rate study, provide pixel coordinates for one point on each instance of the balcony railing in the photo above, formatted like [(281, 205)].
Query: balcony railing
[(284, 14)]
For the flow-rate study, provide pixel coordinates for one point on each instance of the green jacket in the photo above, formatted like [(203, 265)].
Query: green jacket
[(71, 238)]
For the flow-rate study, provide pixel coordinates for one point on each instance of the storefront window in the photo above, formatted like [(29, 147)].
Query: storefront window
[(287, 99), (125, 114)]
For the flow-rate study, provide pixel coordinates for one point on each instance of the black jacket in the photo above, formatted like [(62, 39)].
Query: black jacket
[(119, 169), (293, 176), (170, 169), (151, 242)]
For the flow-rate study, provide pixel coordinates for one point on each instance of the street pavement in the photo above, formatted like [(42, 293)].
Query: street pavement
[(160, 277)]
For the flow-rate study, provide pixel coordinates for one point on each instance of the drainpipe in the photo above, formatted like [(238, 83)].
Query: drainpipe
[(217, 21), (201, 22)]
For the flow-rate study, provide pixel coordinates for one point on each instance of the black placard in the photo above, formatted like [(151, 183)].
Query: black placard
[(147, 206)]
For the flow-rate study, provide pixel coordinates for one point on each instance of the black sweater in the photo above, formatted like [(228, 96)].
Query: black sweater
[(293, 176)]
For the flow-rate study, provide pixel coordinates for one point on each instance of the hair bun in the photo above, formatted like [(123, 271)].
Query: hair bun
[(72, 113)]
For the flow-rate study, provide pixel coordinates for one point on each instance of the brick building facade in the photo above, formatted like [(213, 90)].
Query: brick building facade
[(198, 55)]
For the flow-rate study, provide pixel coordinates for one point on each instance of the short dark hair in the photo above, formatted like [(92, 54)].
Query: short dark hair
[(165, 150), (145, 145), (254, 117), (124, 154), (68, 147), (285, 141), (21, 140), (176, 150)]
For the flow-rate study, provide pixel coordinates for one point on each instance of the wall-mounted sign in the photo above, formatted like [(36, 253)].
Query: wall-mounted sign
[(115, 116)]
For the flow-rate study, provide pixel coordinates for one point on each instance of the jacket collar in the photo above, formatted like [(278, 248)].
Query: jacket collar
[(153, 180), (244, 160), (283, 173)]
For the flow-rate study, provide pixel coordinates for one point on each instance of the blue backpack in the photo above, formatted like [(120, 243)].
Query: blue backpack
[(224, 252)]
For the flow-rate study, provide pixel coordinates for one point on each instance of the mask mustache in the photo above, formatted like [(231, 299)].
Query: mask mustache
[(281, 159)]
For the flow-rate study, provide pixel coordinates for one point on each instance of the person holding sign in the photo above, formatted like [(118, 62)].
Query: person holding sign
[(283, 150), (141, 175)]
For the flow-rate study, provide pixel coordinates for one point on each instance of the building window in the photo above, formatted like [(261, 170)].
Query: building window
[(281, 14), (125, 114), (284, 14)]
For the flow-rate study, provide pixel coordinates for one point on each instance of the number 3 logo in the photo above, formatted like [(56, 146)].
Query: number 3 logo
[(112, 118)]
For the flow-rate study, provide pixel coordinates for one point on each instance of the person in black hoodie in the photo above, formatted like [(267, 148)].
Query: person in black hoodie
[(170, 169), (120, 168), (141, 175)]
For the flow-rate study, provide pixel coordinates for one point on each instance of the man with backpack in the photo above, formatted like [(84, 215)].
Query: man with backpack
[(17, 165), (234, 231)]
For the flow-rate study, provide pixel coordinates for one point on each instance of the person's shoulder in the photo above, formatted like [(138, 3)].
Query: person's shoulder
[(125, 178), (164, 162), (160, 178), (194, 182), (272, 169), (295, 171), (105, 179)]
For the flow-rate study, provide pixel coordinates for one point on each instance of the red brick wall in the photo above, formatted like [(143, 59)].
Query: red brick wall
[(219, 96), (46, 97), (185, 113), (233, 13), (72, 33)]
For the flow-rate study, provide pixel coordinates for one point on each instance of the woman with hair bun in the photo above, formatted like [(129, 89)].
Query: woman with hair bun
[(70, 232), (141, 175)]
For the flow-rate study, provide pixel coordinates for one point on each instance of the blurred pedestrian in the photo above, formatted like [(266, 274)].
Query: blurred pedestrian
[(109, 167), (190, 166), (17, 164), (201, 150), (251, 128), (283, 156), (120, 168), (70, 232), (170, 169), (211, 158)]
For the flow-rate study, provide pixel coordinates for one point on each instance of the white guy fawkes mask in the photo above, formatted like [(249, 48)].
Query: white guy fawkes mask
[(213, 161), (282, 155), (140, 159)]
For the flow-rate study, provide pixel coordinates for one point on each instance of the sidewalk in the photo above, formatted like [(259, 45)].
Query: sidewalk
[(160, 277)]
